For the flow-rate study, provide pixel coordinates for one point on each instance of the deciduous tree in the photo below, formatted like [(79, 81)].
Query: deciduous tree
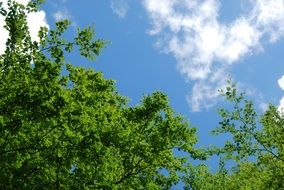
[(67, 127), (255, 149)]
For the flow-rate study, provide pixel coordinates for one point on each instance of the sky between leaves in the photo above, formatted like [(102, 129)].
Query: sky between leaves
[(186, 48)]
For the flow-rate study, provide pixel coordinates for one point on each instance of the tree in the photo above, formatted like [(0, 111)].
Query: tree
[(67, 127), (256, 147)]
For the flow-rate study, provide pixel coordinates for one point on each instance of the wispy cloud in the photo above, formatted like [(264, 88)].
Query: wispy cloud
[(61, 15), (120, 7), (61, 11), (204, 47), (35, 21)]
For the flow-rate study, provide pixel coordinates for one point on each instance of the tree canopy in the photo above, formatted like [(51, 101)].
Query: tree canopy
[(256, 147), (67, 127)]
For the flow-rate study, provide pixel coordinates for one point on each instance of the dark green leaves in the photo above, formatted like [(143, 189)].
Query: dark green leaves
[(3, 12)]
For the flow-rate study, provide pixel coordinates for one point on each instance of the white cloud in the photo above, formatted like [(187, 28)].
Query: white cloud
[(269, 16), (35, 21), (23, 2), (4, 36), (204, 94), (281, 106), (190, 31), (61, 15), (281, 82), (120, 7)]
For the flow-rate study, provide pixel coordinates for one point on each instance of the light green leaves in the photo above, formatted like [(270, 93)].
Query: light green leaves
[(254, 151), (51, 122), (88, 47)]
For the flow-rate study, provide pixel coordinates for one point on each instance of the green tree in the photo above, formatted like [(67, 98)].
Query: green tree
[(72, 129), (256, 146)]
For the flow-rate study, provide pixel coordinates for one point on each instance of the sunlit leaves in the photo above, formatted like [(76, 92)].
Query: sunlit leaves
[(255, 148), (89, 48), (52, 121)]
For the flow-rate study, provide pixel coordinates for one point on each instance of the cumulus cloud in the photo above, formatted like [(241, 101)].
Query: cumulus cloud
[(120, 7), (35, 21), (281, 82), (4, 35), (281, 104), (205, 47)]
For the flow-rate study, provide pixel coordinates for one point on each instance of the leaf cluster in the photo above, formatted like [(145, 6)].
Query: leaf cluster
[(72, 129)]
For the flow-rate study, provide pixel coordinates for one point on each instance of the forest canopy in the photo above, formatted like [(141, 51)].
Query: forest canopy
[(68, 127)]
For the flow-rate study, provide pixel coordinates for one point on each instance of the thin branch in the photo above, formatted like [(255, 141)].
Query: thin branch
[(129, 173), (58, 172), (57, 45), (254, 135)]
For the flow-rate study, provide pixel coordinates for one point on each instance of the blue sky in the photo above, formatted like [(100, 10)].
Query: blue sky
[(184, 48)]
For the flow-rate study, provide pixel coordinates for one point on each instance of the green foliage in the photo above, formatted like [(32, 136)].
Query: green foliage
[(256, 147), (75, 131)]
